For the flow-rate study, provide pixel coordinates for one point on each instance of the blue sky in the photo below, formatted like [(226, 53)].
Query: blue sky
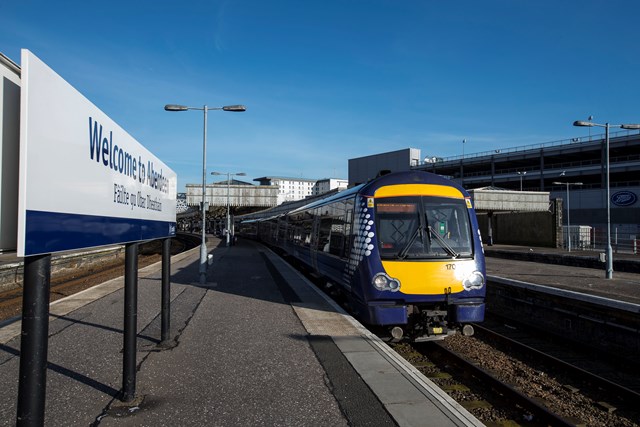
[(325, 81)]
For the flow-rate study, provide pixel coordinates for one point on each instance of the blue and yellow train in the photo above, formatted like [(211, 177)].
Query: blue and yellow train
[(404, 250)]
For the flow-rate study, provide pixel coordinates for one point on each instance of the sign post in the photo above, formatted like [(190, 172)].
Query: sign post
[(34, 341), (166, 292), (130, 322)]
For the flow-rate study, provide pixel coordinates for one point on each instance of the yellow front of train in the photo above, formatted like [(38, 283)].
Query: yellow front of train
[(431, 258)]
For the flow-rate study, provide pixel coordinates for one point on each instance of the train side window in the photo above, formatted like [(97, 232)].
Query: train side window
[(324, 232), (307, 227), (336, 234), (282, 230)]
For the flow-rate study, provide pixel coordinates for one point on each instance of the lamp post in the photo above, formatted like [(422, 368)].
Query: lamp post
[(203, 245), (568, 209), (606, 126), (229, 175), (522, 174)]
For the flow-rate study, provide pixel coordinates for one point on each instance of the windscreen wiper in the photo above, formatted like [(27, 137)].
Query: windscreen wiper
[(403, 253), (442, 242)]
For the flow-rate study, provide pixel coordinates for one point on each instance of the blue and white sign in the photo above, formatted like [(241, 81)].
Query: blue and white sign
[(84, 181), (624, 198)]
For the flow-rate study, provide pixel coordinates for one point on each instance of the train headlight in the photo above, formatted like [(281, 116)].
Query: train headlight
[(383, 282), (473, 281)]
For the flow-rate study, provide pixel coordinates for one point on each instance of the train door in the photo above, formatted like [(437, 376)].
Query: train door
[(313, 247), (281, 240), (348, 226)]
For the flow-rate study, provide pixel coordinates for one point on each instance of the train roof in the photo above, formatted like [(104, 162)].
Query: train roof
[(408, 177), (369, 188)]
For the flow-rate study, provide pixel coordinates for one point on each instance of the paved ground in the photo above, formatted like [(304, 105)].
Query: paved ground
[(255, 345), (239, 357)]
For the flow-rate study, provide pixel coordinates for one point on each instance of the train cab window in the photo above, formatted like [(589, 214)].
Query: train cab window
[(397, 219), (423, 227)]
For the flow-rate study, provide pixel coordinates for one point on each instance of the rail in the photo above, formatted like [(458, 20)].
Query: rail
[(537, 408), (632, 397)]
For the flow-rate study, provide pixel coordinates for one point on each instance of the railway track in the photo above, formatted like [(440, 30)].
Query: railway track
[(71, 281), (506, 382), (501, 380), (533, 409), (585, 366)]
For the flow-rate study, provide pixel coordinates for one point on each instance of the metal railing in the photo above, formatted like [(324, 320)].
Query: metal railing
[(624, 239), (561, 142)]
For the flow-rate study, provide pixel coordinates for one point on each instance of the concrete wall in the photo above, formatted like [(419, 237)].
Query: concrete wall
[(538, 229)]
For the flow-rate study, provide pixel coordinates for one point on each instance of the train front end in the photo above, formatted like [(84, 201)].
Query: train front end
[(419, 257)]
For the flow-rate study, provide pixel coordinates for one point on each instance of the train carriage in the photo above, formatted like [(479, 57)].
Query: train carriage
[(404, 250)]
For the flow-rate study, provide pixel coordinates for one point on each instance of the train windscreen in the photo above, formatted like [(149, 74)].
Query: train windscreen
[(423, 227)]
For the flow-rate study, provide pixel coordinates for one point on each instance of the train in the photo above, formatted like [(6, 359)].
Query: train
[(403, 251)]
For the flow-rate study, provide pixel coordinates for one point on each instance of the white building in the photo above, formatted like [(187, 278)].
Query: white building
[(328, 184), (290, 189)]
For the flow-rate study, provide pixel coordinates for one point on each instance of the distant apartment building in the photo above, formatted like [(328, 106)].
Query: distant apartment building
[(290, 189), (328, 184)]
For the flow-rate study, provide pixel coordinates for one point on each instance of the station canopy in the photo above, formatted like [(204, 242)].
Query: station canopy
[(494, 199)]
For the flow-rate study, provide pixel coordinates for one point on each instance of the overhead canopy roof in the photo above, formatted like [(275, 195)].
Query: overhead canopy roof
[(493, 199)]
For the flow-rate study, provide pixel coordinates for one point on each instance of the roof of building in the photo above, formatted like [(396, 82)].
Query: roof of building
[(232, 182), (271, 178), (335, 179)]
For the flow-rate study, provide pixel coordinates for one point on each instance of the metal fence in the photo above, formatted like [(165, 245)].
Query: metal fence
[(624, 238), (568, 141)]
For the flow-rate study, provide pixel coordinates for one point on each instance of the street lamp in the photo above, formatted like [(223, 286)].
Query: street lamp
[(568, 208), (522, 174), (606, 126), (229, 175), (203, 246)]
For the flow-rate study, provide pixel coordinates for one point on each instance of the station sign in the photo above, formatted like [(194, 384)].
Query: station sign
[(84, 181)]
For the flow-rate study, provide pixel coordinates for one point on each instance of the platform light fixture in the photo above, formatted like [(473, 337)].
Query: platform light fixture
[(229, 175), (204, 109), (606, 126), (522, 174)]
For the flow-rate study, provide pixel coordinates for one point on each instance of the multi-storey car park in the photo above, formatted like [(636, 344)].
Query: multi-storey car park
[(578, 162)]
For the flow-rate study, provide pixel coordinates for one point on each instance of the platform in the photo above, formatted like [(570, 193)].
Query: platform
[(256, 345), (561, 271)]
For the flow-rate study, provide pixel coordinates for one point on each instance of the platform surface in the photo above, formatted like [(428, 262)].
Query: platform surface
[(623, 286), (255, 345)]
